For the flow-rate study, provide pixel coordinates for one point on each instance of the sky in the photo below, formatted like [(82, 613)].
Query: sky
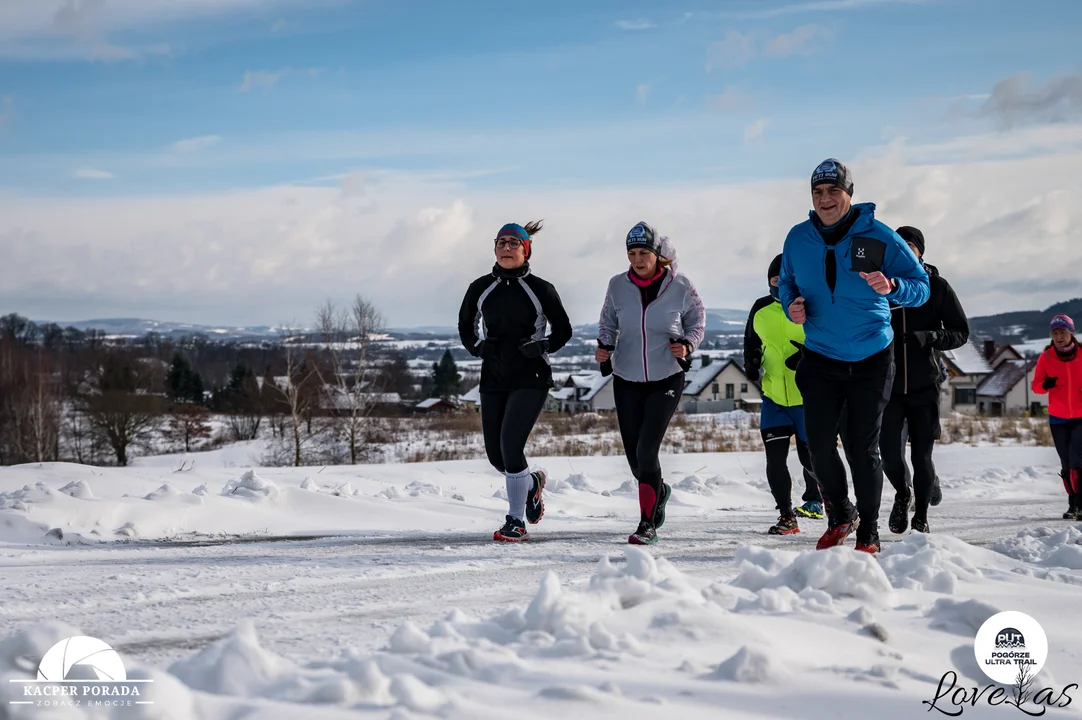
[(239, 162)]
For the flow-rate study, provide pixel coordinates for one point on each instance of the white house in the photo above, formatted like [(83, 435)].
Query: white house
[(967, 367), (1007, 390), (471, 400), (588, 391), (719, 386)]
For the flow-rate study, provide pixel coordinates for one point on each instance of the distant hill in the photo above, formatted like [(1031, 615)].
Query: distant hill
[(138, 327), (1020, 326), (719, 321)]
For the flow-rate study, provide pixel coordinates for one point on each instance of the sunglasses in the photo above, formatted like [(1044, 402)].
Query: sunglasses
[(511, 243)]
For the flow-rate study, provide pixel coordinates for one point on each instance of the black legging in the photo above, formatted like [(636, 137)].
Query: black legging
[(644, 410), (507, 418), (777, 471), (1068, 439), (921, 415)]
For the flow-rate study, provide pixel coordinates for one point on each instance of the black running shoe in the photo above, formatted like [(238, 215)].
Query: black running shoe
[(920, 524), (512, 531), (786, 525), (937, 493), (899, 514), (535, 504), (645, 535), (659, 508)]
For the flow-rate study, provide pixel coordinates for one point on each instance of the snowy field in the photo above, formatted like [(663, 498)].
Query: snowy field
[(375, 591)]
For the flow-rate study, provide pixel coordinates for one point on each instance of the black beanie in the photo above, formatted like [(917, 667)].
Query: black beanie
[(833, 172), (912, 235), (775, 268), (644, 236)]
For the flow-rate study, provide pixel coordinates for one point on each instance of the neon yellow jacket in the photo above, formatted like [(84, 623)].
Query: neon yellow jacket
[(768, 342)]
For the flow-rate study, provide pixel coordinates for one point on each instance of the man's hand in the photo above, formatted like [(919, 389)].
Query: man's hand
[(602, 355), (797, 311), (878, 281)]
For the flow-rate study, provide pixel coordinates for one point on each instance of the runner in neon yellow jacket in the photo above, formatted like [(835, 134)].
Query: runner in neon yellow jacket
[(772, 343)]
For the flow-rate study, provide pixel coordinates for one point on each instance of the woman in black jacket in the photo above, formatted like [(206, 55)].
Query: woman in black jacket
[(503, 321)]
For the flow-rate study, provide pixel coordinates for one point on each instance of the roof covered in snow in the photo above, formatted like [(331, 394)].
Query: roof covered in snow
[(597, 385), (699, 378), (967, 360), (431, 403), (1004, 379), (472, 396)]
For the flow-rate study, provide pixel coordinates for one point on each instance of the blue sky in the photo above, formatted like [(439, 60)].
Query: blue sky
[(108, 99)]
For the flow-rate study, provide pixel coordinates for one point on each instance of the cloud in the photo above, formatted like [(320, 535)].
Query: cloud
[(734, 51), (755, 130), (195, 144), (640, 24), (267, 254), (642, 92), (93, 174), (1016, 100), (65, 30), (823, 6), (798, 41), (731, 100), (260, 78), (279, 25)]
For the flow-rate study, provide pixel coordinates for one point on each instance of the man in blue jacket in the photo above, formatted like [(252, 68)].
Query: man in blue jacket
[(841, 270)]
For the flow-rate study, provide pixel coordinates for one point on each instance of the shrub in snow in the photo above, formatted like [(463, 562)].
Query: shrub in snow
[(839, 572), (78, 489), (751, 666), (250, 485)]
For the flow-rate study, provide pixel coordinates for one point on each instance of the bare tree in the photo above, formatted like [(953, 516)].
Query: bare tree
[(348, 335), (30, 400), (188, 424), (298, 393), (120, 399)]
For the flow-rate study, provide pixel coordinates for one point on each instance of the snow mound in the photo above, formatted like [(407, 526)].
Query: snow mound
[(309, 484), (202, 490), (627, 487), (697, 486), (169, 493), (751, 666), (575, 481), (391, 493), (78, 489), (929, 562), (838, 572), (960, 617), (20, 499), (409, 638), (418, 488), (249, 485), (785, 600), (128, 529), (1061, 548)]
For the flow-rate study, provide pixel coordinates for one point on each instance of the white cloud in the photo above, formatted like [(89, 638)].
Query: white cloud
[(195, 144), (755, 130), (824, 6), (642, 93), (93, 174), (260, 78), (264, 255), (735, 50), (640, 24), (84, 29), (799, 41), (279, 25), (1016, 100)]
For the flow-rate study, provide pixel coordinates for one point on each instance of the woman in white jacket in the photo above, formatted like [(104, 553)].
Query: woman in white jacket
[(652, 320)]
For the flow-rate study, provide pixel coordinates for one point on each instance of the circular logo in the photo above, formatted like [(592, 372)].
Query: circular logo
[(81, 658), (1011, 646)]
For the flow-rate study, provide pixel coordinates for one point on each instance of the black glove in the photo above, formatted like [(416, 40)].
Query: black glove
[(793, 360), (1049, 383), (924, 338), (606, 367), (534, 348), (684, 362), (478, 350)]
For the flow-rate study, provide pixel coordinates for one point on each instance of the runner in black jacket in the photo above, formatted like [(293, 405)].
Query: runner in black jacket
[(513, 307), (920, 334)]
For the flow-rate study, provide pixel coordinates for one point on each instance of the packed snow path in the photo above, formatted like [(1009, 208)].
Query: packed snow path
[(718, 628)]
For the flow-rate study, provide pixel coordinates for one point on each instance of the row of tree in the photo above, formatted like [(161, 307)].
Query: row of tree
[(70, 395)]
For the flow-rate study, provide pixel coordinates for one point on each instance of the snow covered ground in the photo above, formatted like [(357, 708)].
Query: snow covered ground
[(375, 591)]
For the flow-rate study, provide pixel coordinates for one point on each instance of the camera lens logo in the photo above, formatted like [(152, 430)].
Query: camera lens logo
[(1009, 645), (81, 658)]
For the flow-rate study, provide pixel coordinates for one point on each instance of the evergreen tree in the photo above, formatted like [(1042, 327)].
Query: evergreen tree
[(184, 384), (446, 380)]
